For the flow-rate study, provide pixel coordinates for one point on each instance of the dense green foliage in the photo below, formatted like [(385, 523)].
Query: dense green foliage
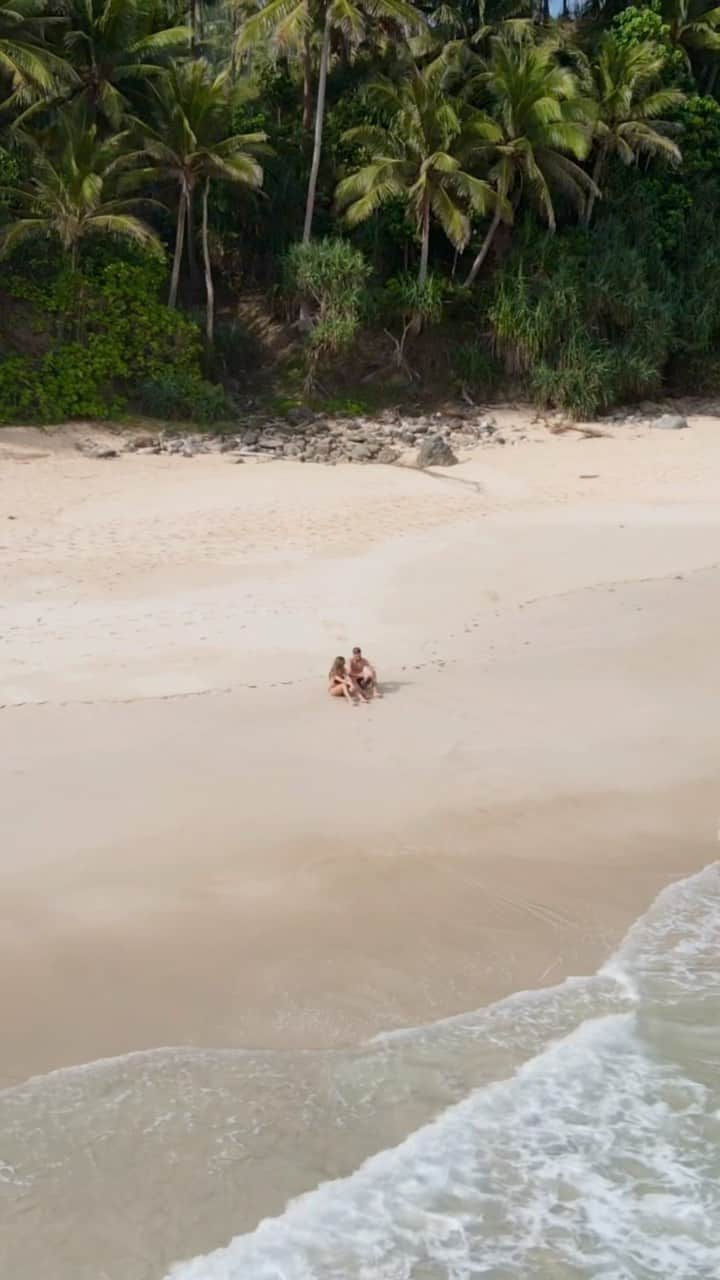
[(106, 335), (353, 161)]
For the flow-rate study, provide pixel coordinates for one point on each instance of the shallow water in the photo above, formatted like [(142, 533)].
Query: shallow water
[(570, 1132)]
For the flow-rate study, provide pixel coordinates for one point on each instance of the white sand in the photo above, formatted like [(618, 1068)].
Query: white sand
[(200, 847)]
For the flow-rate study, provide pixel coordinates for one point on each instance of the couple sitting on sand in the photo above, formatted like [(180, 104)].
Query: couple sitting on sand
[(357, 683)]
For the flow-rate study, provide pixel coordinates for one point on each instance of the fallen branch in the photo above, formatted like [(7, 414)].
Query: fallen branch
[(560, 428)]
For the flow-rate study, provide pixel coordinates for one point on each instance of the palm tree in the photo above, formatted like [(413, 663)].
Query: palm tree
[(115, 45), (32, 69), (74, 171), (189, 144), (299, 23), (421, 158), (694, 27), (629, 107), (290, 30), (544, 129)]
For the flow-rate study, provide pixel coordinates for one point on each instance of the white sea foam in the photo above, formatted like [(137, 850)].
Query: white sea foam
[(599, 1157), (576, 1134)]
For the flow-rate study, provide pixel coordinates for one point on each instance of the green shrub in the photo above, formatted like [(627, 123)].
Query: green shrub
[(580, 381), (475, 368), (18, 401), (147, 336), (404, 297), (65, 383), (182, 395), (638, 24), (71, 383), (112, 332)]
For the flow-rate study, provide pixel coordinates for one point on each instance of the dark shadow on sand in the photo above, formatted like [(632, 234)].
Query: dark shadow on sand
[(389, 687)]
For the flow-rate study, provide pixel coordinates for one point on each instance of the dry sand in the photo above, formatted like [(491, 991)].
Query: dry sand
[(199, 847)]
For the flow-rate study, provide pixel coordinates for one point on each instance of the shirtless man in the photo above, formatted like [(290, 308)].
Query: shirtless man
[(363, 673)]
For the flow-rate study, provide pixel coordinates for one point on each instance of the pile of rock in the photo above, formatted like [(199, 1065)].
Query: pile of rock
[(653, 419), (331, 440), (422, 439)]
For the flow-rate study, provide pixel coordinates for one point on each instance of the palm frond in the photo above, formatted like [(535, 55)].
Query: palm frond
[(124, 227), (237, 168), (21, 231), (162, 41), (453, 220), (365, 206), (292, 16), (358, 185)]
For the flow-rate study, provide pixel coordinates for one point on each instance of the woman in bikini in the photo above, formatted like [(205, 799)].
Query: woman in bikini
[(340, 684)]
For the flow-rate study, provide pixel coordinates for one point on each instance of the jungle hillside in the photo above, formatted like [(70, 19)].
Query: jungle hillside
[(341, 200)]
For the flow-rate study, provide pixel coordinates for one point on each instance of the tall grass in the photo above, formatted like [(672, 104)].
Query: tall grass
[(579, 318)]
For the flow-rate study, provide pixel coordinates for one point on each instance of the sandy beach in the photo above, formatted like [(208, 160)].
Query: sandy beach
[(200, 848), (218, 886)]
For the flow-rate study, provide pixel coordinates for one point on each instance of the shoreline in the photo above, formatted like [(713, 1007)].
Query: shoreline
[(193, 866), (386, 1037), (489, 990), (267, 1133)]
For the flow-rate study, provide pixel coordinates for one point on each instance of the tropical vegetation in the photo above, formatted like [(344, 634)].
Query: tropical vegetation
[(490, 195)]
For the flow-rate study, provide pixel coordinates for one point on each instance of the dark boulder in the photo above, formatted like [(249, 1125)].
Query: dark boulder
[(435, 452)]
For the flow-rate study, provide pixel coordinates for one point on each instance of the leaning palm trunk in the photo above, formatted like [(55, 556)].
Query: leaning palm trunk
[(597, 174), (179, 238), (416, 319), (209, 287), (424, 240), (484, 249), (307, 84), (190, 240), (319, 121)]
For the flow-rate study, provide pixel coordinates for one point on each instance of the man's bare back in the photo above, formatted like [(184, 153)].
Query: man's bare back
[(364, 674)]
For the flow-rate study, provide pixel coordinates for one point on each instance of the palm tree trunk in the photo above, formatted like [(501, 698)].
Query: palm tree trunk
[(415, 322), (179, 237), (319, 121), (190, 239), (307, 83), (209, 287), (484, 249), (596, 176), (425, 240)]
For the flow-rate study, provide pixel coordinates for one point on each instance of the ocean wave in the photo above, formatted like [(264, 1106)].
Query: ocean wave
[(598, 1157)]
